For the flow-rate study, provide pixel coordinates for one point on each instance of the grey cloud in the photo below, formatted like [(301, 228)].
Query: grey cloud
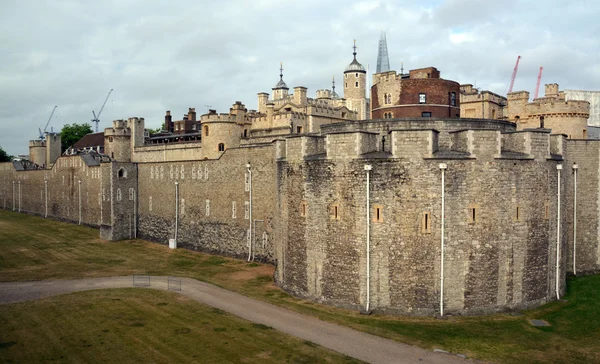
[(159, 55)]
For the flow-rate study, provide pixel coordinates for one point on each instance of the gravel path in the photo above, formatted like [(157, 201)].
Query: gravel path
[(359, 345)]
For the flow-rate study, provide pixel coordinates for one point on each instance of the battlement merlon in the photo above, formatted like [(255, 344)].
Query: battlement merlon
[(478, 143), (350, 145), (299, 147), (518, 96), (414, 143), (533, 143)]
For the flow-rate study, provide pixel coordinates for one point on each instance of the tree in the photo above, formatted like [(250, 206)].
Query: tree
[(4, 157), (71, 133), (155, 131)]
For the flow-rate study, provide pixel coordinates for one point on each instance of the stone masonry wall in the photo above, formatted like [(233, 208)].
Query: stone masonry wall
[(209, 192)]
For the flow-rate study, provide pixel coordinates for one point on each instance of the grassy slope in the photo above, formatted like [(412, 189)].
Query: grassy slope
[(34, 248), (143, 326)]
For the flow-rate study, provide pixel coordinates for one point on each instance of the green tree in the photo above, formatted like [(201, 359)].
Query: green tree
[(4, 157), (71, 133), (155, 131)]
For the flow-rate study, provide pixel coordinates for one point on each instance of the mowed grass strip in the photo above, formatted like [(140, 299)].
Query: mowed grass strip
[(572, 338), (143, 326)]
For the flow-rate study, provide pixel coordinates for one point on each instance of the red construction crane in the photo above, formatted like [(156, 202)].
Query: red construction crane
[(514, 75), (537, 87)]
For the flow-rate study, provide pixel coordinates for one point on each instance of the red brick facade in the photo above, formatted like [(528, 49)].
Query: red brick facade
[(418, 97)]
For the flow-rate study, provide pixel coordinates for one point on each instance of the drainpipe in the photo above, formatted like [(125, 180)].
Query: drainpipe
[(575, 166), (13, 196), (176, 209), (368, 169), (19, 196), (558, 169), (46, 197), (135, 214), (79, 184), (250, 211), (443, 167)]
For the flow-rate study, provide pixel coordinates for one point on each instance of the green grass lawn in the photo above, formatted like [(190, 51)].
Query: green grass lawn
[(143, 326), (33, 248)]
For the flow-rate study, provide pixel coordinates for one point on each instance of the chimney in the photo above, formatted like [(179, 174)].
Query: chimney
[(168, 122), (192, 114)]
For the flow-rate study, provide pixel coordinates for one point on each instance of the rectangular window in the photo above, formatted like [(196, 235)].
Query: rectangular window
[(356, 84), (246, 182), (118, 194), (453, 99), (426, 114), (182, 208), (546, 210), (131, 193), (335, 212), (246, 210), (377, 213), (233, 210), (422, 98), (426, 223), (518, 213), (303, 209), (150, 203), (472, 218), (299, 129), (207, 213)]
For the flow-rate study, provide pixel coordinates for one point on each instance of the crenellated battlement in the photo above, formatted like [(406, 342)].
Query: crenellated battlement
[(389, 76), (286, 115), (480, 144), (549, 106), (37, 143)]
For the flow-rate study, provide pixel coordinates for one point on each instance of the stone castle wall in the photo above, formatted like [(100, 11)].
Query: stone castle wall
[(495, 262), (309, 217), (214, 202)]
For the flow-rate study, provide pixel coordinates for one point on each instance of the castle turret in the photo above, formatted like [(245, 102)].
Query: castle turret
[(222, 131), (280, 91), (300, 95), (355, 83), (37, 152), (53, 148), (263, 98), (117, 141)]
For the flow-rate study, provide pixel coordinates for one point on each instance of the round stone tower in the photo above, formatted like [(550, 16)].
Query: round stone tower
[(117, 141), (355, 84), (223, 131)]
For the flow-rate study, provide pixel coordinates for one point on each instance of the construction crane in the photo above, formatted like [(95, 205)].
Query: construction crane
[(96, 118), (514, 75), (537, 87), (42, 133)]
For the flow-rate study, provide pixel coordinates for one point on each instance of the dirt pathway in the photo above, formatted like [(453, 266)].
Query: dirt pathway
[(360, 345)]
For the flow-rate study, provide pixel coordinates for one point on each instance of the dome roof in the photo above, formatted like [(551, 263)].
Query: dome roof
[(281, 84), (354, 66)]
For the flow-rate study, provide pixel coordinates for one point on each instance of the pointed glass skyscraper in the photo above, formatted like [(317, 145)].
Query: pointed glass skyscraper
[(383, 62)]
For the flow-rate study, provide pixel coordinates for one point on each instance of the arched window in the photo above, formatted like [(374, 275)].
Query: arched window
[(221, 147), (205, 130), (122, 173)]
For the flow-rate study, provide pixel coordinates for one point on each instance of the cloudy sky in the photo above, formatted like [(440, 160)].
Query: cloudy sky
[(172, 55)]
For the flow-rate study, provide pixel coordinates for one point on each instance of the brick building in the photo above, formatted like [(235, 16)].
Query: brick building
[(420, 93)]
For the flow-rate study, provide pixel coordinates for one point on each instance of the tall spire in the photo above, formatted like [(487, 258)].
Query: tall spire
[(333, 94), (354, 47), (281, 70), (383, 61), (281, 84)]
